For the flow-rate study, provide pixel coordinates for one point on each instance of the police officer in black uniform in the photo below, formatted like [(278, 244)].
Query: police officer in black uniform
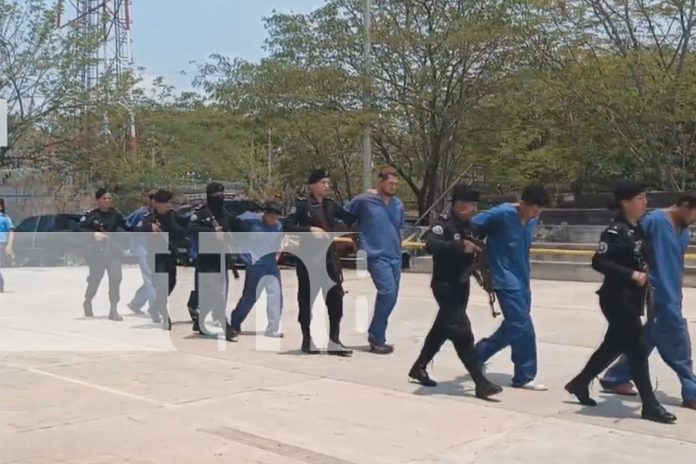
[(103, 253), (210, 218), (623, 257), (453, 263), (161, 218), (318, 213)]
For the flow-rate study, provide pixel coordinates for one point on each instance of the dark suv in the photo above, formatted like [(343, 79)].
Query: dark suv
[(34, 245)]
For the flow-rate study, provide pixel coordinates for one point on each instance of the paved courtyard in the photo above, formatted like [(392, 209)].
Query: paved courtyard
[(79, 390)]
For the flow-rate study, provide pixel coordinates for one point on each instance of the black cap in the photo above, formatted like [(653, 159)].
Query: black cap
[(101, 191), (273, 207), (317, 175), (213, 188), (627, 189), (463, 192), (162, 196)]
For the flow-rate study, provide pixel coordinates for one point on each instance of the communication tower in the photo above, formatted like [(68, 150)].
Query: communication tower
[(111, 21)]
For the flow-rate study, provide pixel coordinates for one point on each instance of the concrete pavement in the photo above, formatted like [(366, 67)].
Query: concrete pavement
[(83, 390)]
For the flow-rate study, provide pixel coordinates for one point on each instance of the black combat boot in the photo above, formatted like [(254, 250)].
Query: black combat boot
[(114, 315), (485, 389), (581, 391), (87, 306), (336, 348), (308, 346), (231, 332), (656, 413), (419, 374)]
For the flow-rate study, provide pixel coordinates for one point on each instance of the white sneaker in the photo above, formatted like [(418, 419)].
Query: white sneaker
[(534, 386), (273, 334)]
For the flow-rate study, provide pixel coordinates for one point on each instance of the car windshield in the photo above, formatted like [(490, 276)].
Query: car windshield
[(28, 225)]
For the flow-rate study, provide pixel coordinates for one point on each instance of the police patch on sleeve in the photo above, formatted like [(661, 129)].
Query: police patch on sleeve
[(438, 230), (603, 247), (194, 217), (293, 210), (457, 237)]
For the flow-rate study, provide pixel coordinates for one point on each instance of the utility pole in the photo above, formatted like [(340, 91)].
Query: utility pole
[(3, 123), (367, 135)]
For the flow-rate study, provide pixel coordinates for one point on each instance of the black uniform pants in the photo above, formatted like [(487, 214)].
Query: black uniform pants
[(98, 264), (164, 285), (624, 336), (306, 296), (211, 287), (452, 323)]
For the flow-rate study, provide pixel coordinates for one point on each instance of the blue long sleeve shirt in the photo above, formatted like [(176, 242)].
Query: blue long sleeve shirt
[(138, 241), (507, 245), (669, 248), (266, 240), (379, 224)]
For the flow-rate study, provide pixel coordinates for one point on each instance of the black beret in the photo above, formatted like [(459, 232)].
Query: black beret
[(213, 188), (317, 175), (101, 191), (627, 189), (273, 207), (463, 192)]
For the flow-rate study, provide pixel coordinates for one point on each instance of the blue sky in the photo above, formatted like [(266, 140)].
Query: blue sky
[(168, 34)]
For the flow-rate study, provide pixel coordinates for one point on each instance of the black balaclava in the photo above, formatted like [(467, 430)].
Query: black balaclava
[(215, 197)]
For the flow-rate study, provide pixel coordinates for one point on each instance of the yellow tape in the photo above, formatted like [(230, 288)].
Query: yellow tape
[(535, 251)]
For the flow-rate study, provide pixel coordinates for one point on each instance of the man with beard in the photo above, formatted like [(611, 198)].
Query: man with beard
[(162, 219), (318, 214), (103, 254), (211, 290), (668, 233), (380, 218), (450, 241)]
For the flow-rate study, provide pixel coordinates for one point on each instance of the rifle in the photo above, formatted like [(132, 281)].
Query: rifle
[(482, 273), (649, 293), (216, 224)]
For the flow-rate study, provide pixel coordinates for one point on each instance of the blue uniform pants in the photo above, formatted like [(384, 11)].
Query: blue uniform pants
[(257, 279), (146, 293), (386, 275), (668, 332), (516, 331)]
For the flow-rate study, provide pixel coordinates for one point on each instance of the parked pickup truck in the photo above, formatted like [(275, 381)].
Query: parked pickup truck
[(35, 246)]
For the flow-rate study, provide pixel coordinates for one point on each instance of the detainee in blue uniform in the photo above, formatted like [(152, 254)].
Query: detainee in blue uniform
[(261, 268), (138, 246), (668, 233), (6, 238), (379, 219), (508, 230)]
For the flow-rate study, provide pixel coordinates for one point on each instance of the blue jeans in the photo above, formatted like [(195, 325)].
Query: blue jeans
[(386, 275), (516, 331), (146, 292), (269, 278), (668, 332)]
